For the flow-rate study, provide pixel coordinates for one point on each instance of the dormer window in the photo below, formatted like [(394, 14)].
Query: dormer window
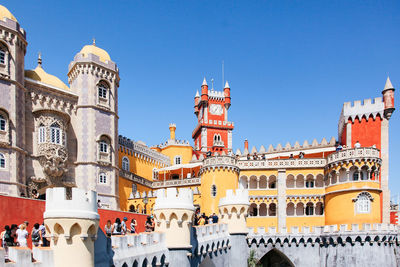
[(55, 134)]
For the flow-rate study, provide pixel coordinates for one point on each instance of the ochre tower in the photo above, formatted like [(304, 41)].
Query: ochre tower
[(218, 174), (368, 124), (213, 131)]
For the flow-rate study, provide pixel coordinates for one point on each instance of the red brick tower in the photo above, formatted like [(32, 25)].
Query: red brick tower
[(213, 131)]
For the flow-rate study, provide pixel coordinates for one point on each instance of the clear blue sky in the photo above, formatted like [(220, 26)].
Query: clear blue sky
[(290, 64)]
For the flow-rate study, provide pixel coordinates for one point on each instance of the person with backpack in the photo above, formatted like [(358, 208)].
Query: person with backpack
[(35, 234), (117, 227), (6, 241)]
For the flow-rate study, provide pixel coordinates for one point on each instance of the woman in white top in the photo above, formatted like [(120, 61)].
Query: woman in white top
[(22, 236)]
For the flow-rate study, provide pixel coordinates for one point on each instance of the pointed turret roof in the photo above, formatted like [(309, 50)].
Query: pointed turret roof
[(227, 85), (197, 93), (388, 84), (204, 81)]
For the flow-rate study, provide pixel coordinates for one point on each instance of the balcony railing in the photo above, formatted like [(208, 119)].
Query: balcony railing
[(135, 178), (170, 183), (219, 160), (282, 163), (354, 153)]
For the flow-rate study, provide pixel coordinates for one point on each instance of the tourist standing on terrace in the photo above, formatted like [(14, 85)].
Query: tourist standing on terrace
[(45, 242), (22, 236), (133, 226), (6, 241), (117, 227), (35, 234), (108, 228)]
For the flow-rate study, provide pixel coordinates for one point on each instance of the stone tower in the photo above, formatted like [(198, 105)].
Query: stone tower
[(72, 225), (233, 210), (174, 215), (94, 77), (12, 104)]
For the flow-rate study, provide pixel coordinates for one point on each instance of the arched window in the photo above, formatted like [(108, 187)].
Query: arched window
[(310, 209), (310, 183), (103, 90), (2, 56), (102, 178), (103, 146), (155, 174), (178, 160), (55, 134), (3, 123), (363, 202), (42, 134), (2, 161), (356, 175), (213, 190), (125, 164)]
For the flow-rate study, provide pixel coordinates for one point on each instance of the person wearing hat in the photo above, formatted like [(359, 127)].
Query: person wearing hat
[(123, 230)]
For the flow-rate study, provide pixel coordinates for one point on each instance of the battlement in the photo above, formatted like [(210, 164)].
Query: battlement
[(327, 229), (170, 198), (172, 125), (240, 197), (211, 238), (219, 95), (83, 204), (139, 249), (366, 108), (22, 256)]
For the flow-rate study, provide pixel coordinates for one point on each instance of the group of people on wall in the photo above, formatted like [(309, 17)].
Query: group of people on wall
[(18, 236), (202, 219), (121, 228)]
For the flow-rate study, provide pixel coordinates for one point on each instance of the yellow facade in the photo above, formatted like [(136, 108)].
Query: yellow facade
[(222, 179), (185, 152)]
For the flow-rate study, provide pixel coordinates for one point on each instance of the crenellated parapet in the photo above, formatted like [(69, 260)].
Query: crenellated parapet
[(174, 212), (219, 162), (145, 249), (233, 209), (326, 235), (212, 238), (71, 221)]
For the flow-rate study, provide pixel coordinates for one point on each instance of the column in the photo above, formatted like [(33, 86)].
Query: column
[(385, 171), (281, 186)]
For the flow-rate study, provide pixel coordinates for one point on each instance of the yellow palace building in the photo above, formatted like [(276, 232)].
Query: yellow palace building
[(342, 181)]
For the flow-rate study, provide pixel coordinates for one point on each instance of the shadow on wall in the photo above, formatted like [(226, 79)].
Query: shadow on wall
[(103, 253)]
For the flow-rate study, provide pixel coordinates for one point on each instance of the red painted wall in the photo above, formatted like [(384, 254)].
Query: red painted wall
[(16, 210), (394, 217), (368, 133)]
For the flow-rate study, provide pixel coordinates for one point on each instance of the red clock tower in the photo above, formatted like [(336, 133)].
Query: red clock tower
[(213, 131)]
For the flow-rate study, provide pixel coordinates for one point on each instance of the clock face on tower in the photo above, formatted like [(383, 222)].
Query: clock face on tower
[(216, 109)]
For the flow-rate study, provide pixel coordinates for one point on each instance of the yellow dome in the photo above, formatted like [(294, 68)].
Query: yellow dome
[(93, 49), (5, 13), (40, 75)]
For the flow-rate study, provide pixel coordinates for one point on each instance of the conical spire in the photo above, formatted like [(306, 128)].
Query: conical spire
[(204, 81), (227, 85), (197, 94), (388, 84)]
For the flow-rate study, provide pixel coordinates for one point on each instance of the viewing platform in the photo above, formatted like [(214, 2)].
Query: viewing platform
[(363, 153)]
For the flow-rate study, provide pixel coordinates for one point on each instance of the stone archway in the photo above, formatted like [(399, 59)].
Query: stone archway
[(275, 258)]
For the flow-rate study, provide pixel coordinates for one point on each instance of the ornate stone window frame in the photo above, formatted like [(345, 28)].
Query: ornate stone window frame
[(362, 203), (4, 64)]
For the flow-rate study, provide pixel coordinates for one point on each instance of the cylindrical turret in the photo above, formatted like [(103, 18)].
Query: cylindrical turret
[(388, 99), (72, 225), (227, 93), (196, 103), (218, 174), (174, 214), (246, 144), (172, 128), (204, 91), (233, 209)]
